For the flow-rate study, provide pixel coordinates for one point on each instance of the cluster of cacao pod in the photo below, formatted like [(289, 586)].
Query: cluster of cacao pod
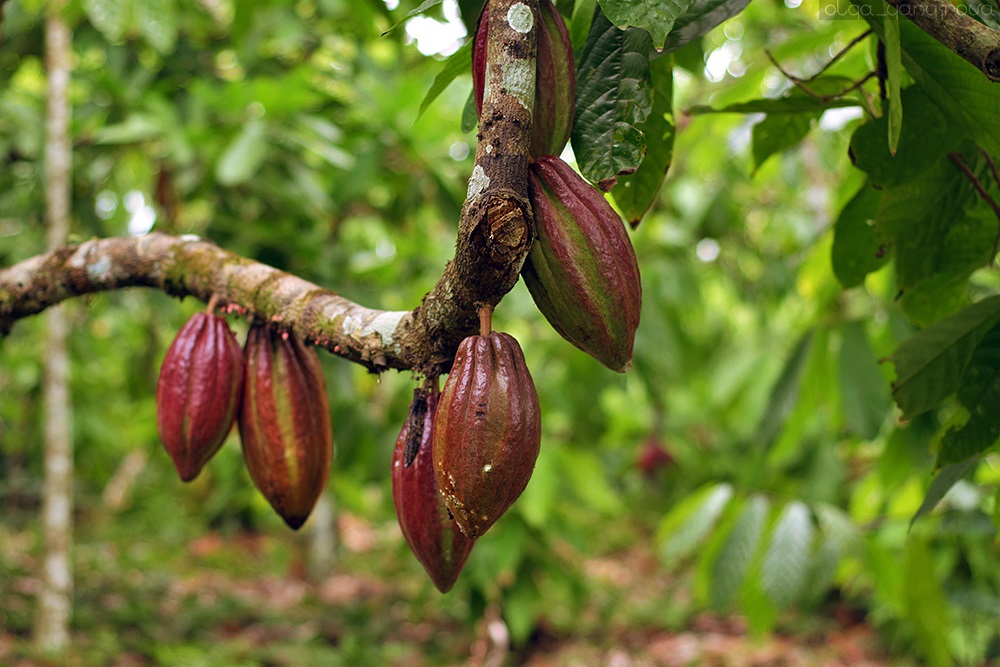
[(273, 389), (465, 455), (582, 270)]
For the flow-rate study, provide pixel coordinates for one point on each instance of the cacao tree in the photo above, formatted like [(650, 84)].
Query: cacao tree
[(898, 262)]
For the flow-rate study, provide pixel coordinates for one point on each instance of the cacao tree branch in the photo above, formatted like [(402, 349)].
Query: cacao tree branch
[(494, 236), (977, 43)]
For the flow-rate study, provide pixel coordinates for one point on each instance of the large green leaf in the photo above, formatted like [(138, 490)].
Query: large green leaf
[(893, 78), (157, 22), (857, 249), (636, 193), (940, 233), (979, 393), (732, 562), (701, 16), (243, 156), (109, 16), (458, 63), (924, 139), (788, 556), (613, 99), (930, 365), (686, 525), (784, 393), (962, 92), (655, 16)]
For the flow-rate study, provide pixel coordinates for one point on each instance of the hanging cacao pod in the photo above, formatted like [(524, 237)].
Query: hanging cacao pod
[(429, 529), (198, 393), (487, 431), (285, 422), (581, 269), (555, 79)]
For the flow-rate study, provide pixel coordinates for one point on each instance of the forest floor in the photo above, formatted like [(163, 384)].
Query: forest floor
[(243, 601)]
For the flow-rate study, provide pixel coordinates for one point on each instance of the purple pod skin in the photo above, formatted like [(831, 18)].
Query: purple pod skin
[(429, 530), (487, 431), (198, 393), (581, 269), (555, 79), (285, 422)]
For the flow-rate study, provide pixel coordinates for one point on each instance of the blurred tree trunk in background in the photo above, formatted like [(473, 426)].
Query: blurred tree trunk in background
[(55, 598)]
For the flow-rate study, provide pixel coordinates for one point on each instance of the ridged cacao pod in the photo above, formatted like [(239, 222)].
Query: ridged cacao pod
[(555, 79), (581, 269), (198, 394), (285, 422), (487, 431), (429, 529)]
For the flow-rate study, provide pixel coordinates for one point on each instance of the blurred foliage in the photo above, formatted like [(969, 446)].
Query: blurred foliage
[(788, 254)]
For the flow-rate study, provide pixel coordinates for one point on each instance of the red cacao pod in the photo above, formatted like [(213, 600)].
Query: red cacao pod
[(555, 79), (198, 394), (581, 270), (429, 529), (487, 431), (285, 422)]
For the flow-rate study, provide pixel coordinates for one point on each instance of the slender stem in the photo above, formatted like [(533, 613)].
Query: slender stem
[(485, 319), (213, 303)]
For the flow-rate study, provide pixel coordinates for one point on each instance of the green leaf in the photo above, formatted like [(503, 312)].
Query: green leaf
[(469, 116), (927, 607), (946, 478), (520, 606), (930, 364), (924, 139), (424, 6), (636, 193), (955, 85), (135, 128), (730, 567), (702, 16), (687, 524), (894, 77), (244, 156), (857, 249), (979, 393), (583, 17), (157, 22), (613, 98), (784, 393), (584, 472), (864, 393), (458, 63), (655, 16), (788, 556), (779, 132), (796, 101), (110, 17), (940, 233)]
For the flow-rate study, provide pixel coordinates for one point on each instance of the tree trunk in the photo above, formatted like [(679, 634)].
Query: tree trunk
[(55, 598)]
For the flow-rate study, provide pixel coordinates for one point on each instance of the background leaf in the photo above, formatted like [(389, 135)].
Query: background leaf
[(979, 393), (857, 249), (701, 16), (655, 16), (787, 560)]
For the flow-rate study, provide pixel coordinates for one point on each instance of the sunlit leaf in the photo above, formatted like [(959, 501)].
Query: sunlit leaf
[(157, 21), (109, 16), (894, 77), (701, 16), (945, 478), (787, 560), (733, 560), (689, 522), (779, 132), (930, 364), (927, 606), (457, 64), (243, 157), (784, 392)]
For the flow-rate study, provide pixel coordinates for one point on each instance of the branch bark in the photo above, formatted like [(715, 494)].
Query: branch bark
[(977, 43), (494, 235)]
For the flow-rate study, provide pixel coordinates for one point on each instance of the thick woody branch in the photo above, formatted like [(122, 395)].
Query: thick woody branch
[(494, 236), (977, 43)]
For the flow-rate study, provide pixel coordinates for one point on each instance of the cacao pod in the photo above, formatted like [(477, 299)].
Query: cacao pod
[(198, 393), (581, 269), (429, 529), (285, 422), (487, 431), (555, 79)]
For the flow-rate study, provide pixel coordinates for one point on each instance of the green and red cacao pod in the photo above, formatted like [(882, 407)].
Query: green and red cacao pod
[(429, 529), (487, 431), (198, 394), (555, 79), (285, 422), (581, 269)]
